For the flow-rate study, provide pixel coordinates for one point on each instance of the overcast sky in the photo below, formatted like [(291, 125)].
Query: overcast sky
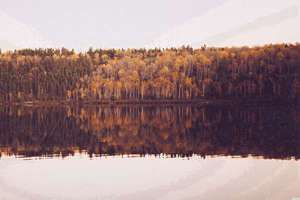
[(138, 23)]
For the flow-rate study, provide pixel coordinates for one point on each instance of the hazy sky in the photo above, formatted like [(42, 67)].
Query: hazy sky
[(239, 23), (137, 23), (113, 23)]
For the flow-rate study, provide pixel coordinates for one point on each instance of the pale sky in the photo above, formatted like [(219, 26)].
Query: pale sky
[(137, 24)]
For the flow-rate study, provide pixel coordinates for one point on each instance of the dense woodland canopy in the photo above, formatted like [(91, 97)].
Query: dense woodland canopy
[(271, 71)]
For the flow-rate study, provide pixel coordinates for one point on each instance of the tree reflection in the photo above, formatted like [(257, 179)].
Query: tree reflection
[(172, 130)]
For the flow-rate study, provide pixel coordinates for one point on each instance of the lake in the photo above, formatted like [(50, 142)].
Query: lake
[(149, 152)]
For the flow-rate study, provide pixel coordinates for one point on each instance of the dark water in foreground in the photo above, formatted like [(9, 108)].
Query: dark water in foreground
[(149, 152)]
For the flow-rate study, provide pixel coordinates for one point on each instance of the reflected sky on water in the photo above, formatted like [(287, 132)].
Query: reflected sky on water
[(117, 177)]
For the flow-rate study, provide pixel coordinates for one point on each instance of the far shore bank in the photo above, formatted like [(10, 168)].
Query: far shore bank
[(204, 102)]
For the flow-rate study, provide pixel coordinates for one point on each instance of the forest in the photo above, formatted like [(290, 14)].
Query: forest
[(270, 71)]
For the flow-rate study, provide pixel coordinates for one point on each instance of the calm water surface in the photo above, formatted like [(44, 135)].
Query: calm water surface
[(149, 152)]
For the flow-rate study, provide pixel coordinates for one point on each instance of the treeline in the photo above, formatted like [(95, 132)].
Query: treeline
[(270, 71)]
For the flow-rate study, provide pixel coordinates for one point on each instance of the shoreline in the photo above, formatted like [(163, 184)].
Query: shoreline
[(203, 102)]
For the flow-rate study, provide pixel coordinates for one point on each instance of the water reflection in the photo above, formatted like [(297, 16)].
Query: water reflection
[(134, 178), (170, 130)]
